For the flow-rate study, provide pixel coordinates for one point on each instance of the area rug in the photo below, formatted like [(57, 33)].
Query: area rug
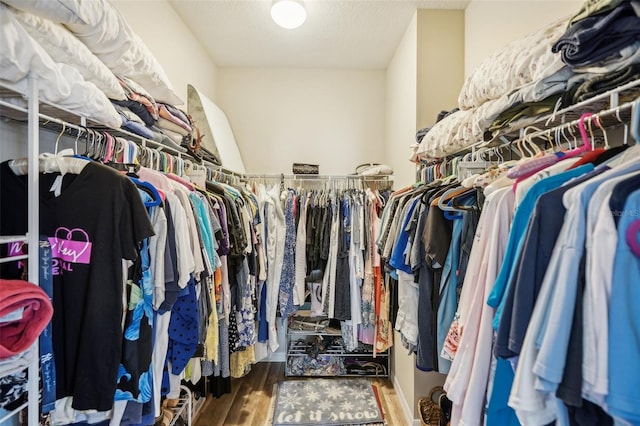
[(321, 401)]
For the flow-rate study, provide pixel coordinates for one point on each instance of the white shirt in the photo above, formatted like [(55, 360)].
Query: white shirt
[(157, 246), (467, 380), (544, 350), (407, 315), (301, 255), (602, 240), (275, 231), (186, 263)]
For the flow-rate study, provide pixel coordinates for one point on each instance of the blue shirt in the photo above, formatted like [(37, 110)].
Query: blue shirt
[(624, 322), (398, 255), (448, 297), (553, 336), (518, 231)]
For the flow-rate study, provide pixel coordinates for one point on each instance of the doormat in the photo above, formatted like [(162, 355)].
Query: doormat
[(327, 402)]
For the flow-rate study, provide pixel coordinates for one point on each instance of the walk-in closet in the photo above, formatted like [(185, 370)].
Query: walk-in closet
[(319, 212)]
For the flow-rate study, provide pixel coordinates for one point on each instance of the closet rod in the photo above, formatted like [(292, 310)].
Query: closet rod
[(220, 169), (317, 177), (612, 114)]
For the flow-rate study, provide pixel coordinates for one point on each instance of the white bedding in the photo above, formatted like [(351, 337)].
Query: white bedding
[(443, 135), (61, 84), (100, 27), (64, 48), (517, 64), (459, 130), (58, 11)]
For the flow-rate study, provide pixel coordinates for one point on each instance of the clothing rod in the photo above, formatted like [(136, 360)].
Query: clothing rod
[(317, 177), (220, 169), (68, 127)]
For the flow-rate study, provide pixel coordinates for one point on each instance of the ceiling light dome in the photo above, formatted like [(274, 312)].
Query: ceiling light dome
[(288, 14)]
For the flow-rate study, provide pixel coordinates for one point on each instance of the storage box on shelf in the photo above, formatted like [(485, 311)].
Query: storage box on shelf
[(315, 347)]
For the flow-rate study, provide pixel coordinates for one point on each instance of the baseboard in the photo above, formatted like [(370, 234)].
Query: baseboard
[(408, 412)]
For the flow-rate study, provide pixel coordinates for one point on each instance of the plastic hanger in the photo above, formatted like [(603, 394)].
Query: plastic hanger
[(64, 127), (80, 130), (449, 195), (625, 140), (63, 162), (589, 126), (572, 132), (148, 188), (586, 143), (565, 138), (75, 142), (604, 132), (635, 123)]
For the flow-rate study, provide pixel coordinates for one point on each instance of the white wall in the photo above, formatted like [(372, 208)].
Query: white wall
[(173, 44), (402, 92), (490, 24), (440, 62), (401, 129), (330, 117)]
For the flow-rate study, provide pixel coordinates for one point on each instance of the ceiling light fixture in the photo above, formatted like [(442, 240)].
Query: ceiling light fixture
[(288, 14)]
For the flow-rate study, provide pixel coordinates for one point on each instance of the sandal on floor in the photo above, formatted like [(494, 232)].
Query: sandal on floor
[(165, 418)]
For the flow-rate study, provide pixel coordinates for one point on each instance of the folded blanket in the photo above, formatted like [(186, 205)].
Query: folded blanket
[(138, 109), (523, 110), (162, 136), (594, 7), (163, 123), (605, 82), (178, 113), (135, 92), (131, 116), (167, 115), (134, 126), (627, 56), (517, 64), (25, 310), (599, 37)]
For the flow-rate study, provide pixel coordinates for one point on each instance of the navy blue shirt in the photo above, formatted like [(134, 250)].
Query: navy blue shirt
[(542, 233)]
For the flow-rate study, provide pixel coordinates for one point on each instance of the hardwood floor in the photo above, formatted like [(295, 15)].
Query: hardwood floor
[(250, 402)]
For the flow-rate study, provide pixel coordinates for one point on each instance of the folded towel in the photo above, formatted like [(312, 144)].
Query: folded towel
[(25, 310)]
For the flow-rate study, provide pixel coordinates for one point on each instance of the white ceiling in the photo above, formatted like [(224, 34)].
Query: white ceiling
[(337, 33)]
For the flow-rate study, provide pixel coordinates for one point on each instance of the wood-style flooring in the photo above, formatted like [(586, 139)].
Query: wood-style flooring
[(251, 400)]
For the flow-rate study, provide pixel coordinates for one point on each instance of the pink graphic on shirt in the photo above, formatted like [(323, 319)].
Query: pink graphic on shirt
[(76, 250), (16, 249)]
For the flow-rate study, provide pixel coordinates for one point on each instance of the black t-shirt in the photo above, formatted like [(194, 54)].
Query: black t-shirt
[(97, 221)]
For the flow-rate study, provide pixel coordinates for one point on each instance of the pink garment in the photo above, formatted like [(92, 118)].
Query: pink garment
[(157, 179), (164, 113), (532, 166), (32, 311), (178, 179)]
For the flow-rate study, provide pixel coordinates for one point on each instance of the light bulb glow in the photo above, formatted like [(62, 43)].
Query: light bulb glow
[(288, 14)]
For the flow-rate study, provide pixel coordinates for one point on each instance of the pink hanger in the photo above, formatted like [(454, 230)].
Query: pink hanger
[(586, 145), (632, 237)]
